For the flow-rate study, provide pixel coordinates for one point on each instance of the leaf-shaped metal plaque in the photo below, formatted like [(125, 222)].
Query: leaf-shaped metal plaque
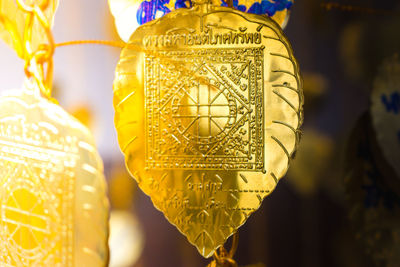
[(53, 204), (208, 105), (130, 14), (13, 22)]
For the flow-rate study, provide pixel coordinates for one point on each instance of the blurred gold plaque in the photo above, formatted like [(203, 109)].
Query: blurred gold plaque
[(208, 105), (53, 205)]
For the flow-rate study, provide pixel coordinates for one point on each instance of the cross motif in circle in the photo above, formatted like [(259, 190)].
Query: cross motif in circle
[(204, 110)]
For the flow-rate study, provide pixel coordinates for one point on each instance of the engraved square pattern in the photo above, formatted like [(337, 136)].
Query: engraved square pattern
[(204, 109), (35, 196)]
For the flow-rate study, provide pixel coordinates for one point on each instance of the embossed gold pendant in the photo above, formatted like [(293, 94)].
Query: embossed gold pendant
[(53, 206), (208, 105)]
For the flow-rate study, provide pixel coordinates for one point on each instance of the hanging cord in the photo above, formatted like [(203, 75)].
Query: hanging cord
[(326, 6), (179, 66), (36, 61), (39, 62), (97, 42), (223, 258)]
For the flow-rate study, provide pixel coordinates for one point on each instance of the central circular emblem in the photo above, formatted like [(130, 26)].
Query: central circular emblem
[(203, 112), (26, 220)]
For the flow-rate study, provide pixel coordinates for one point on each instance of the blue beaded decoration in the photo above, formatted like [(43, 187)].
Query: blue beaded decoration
[(148, 9), (269, 8)]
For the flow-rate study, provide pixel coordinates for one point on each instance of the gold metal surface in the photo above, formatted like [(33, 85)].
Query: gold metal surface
[(53, 205), (207, 114)]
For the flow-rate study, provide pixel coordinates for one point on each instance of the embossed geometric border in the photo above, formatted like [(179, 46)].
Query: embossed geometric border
[(251, 121), (19, 166)]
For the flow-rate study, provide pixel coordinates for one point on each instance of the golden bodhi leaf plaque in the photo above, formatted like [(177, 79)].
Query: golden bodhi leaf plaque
[(208, 105), (53, 206)]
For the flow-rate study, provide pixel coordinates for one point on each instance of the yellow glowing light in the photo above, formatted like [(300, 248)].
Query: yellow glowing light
[(124, 13), (126, 239), (208, 107), (53, 205)]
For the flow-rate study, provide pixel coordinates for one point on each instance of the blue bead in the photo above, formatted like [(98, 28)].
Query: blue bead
[(147, 10)]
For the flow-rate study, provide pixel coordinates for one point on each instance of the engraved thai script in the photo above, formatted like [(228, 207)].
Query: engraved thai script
[(212, 203), (177, 202), (205, 38), (208, 186)]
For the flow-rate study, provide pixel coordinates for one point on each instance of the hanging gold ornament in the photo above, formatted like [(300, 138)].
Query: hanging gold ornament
[(385, 110), (208, 106), (53, 209), (130, 14), (53, 204)]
